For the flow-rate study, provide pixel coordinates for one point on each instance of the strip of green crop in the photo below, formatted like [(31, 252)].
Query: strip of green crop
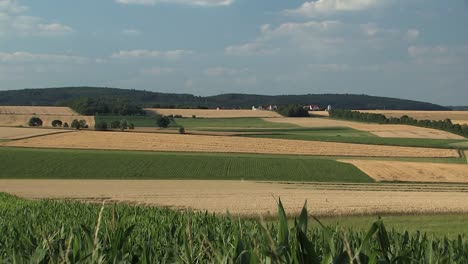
[(71, 232), (408, 142), (26, 163)]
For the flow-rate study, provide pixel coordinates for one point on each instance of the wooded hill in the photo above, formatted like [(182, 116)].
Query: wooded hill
[(69, 95)]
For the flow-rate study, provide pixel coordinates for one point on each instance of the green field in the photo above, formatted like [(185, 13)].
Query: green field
[(436, 225), (23, 163), (222, 123), (72, 232), (348, 135)]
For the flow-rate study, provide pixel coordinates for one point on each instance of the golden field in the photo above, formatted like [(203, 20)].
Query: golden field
[(391, 131), (252, 198), (412, 171), (20, 115), (220, 144), (36, 110), (213, 113), (11, 133)]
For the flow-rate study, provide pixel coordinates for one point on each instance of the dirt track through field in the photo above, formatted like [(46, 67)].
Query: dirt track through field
[(412, 171), (244, 198), (212, 113), (393, 131), (19, 133), (220, 144)]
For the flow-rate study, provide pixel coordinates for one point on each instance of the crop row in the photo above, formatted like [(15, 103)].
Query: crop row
[(70, 232)]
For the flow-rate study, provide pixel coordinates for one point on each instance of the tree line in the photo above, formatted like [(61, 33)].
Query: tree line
[(445, 125), (90, 106)]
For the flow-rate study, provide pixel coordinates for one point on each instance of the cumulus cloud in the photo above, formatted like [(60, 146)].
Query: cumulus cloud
[(14, 22), (151, 54), (206, 3), (326, 7), (21, 56), (319, 37)]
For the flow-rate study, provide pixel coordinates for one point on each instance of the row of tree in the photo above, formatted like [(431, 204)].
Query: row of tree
[(445, 125), (76, 124), (122, 125)]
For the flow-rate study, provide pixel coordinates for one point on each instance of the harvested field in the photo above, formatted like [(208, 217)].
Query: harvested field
[(412, 171), (212, 113), (246, 198), (37, 110), (390, 131), (23, 119), (11, 133), (220, 144), (457, 117)]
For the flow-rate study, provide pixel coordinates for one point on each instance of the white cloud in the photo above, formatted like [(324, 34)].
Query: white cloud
[(206, 3), (14, 22), (131, 32), (21, 57), (316, 37), (412, 34), (325, 7), (157, 71), (151, 54), (12, 6)]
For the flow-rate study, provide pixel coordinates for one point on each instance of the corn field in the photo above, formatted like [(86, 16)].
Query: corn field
[(72, 232)]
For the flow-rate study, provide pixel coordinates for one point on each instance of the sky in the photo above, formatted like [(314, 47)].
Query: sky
[(412, 49)]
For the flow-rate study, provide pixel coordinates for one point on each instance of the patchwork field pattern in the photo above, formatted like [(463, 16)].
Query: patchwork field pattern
[(394, 131), (221, 144), (457, 117), (412, 171), (11, 133), (212, 113), (251, 198)]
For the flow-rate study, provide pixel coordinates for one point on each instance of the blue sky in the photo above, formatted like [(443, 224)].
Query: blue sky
[(414, 49)]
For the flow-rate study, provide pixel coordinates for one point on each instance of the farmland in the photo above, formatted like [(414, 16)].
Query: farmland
[(392, 131), (20, 115), (9, 133), (124, 233), (85, 164), (211, 113), (413, 171), (457, 117), (221, 144)]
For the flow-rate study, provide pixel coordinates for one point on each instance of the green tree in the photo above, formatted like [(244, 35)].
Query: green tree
[(35, 122), (57, 123), (65, 125), (163, 121), (75, 124), (131, 126), (123, 124), (181, 130), (100, 126)]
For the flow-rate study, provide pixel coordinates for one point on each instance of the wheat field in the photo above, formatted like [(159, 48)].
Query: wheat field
[(248, 198), (412, 171), (37, 110), (390, 131), (11, 133), (213, 113), (220, 144)]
